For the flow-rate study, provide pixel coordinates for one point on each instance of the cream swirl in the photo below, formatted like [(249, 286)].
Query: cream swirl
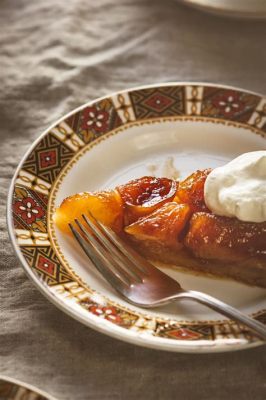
[(238, 189)]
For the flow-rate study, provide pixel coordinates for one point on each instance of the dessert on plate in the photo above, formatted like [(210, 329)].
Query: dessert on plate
[(211, 223)]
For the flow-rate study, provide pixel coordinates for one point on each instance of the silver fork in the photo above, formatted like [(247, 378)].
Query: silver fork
[(137, 280)]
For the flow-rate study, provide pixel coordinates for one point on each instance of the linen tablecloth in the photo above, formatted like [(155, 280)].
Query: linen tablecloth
[(56, 55)]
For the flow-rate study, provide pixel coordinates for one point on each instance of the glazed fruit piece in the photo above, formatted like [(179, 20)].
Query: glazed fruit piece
[(106, 206), (191, 190), (169, 223), (164, 225), (228, 247), (144, 195), (227, 239)]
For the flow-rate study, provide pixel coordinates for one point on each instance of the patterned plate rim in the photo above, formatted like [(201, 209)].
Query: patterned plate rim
[(141, 332)]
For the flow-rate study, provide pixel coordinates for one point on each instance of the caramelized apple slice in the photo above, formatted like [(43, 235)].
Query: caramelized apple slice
[(165, 225), (105, 206), (226, 239), (144, 195), (191, 190)]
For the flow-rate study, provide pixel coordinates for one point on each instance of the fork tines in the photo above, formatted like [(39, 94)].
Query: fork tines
[(114, 259)]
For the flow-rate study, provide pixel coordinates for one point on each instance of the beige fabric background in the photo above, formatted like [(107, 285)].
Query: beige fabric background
[(56, 55)]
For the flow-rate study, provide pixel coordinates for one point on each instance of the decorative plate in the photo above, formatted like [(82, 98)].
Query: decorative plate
[(105, 143), (12, 389), (255, 9)]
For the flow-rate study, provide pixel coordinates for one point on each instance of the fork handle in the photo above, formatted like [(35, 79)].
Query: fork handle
[(255, 326)]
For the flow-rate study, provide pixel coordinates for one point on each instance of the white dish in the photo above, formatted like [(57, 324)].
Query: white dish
[(13, 389), (249, 9), (144, 126)]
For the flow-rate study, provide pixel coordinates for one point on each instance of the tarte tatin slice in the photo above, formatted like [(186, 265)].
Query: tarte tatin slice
[(168, 222)]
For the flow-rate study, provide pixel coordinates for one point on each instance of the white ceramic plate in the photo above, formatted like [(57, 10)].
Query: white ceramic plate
[(248, 9), (12, 389), (106, 143)]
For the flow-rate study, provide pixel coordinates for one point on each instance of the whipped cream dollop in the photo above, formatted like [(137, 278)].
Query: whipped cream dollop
[(238, 189)]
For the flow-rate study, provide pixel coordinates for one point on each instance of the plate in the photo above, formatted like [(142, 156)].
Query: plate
[(105, 143), (12, 389), (255, 9)]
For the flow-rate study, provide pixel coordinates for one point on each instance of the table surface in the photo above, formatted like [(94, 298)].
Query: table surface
[(56, 55)]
